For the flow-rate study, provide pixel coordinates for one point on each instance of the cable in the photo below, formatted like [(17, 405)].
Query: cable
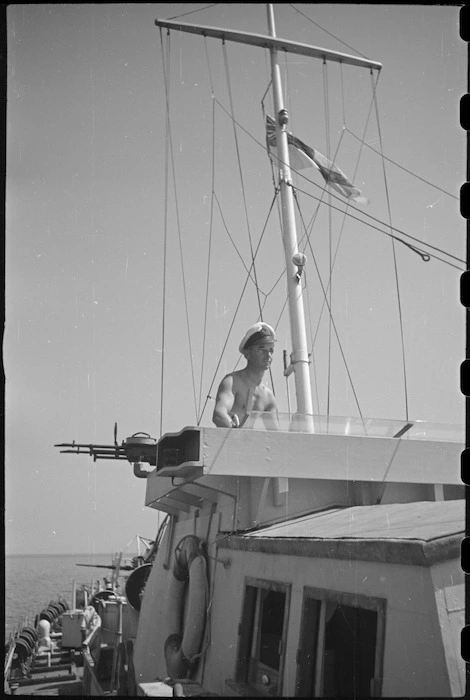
[(418, 177), (332, 320), (234, 244), (165, 224), (403, 233), (329, 33), (330, 231), (236, 310), (209, 248), (425, 256), (183, 276), (240, 170), (314, 366), (395, 264), (192, 12)]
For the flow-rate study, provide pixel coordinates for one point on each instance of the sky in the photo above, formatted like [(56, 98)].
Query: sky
[(100, 192)]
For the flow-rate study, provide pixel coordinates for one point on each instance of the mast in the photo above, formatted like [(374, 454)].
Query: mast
[(299, 358)]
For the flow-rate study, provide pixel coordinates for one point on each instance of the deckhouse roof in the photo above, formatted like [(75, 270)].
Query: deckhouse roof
[(410, 533)]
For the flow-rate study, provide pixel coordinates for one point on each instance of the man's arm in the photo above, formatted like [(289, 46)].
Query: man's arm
[(224, 403), (270, 414)]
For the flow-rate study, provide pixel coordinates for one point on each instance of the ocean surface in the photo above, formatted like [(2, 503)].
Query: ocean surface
[(33, 581)]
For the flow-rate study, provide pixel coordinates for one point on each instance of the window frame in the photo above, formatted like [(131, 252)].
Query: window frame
[(248, 629), (355, 600)]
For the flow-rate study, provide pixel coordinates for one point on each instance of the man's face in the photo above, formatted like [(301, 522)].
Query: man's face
[(260, 354)]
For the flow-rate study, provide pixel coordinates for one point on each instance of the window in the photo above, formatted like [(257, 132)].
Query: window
[(263, 631), (341, 645)]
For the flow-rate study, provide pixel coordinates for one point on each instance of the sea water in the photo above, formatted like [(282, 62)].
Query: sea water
[(32, 581)]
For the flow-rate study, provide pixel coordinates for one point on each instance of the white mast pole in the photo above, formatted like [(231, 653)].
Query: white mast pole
[(299, 357)]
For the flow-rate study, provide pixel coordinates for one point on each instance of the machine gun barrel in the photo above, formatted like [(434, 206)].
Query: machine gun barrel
[(138, 448)]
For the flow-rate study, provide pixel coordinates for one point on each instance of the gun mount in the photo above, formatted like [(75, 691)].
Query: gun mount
[(140, 447)]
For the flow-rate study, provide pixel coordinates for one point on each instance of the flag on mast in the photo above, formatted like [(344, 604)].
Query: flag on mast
[(303, 156)]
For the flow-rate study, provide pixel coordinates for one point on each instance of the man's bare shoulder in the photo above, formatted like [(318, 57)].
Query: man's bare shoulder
[(231, 381), (234, 377)]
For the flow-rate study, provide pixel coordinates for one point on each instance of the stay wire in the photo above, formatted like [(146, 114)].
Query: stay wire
[(343, 131), (307, 235), (425, 256), (192, 12), (214, 195), (369, 216), (165, 222), (330, 230), (327, 32), (178, 225), (343, 108), (266, 295), (312, 355), (325, 296), (273, 177), (242, 183), (395, 263), (281, 313), (418, 177), (209, 246), (345, 213), (233, 242), (208, 396), (325, 191)]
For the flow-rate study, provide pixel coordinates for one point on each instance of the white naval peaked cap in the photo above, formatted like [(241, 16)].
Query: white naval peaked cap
[(260, 331)]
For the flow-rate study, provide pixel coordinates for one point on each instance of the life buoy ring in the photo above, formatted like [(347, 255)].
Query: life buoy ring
[(182, 648)]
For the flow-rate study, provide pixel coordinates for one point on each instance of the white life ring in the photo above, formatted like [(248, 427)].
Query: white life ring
[(183, 647)]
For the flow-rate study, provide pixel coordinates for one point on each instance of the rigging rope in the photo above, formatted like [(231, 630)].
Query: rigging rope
[(209, 247), (234, 244), (236, 310), (249, 273), (169, 151), (250, 276), (327, 32), (418, 177), (395, 264), (312, 221), (165, 225), (185, 296), (240, 171), (330, 229), (314, 366), (191, 12), (331, 316), (343, 108), (424, 256), (275, 186)]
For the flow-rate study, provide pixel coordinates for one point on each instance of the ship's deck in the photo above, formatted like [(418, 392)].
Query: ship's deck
[(55, 680)]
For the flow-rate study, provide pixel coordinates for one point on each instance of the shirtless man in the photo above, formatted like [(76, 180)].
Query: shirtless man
[(242, 391)]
